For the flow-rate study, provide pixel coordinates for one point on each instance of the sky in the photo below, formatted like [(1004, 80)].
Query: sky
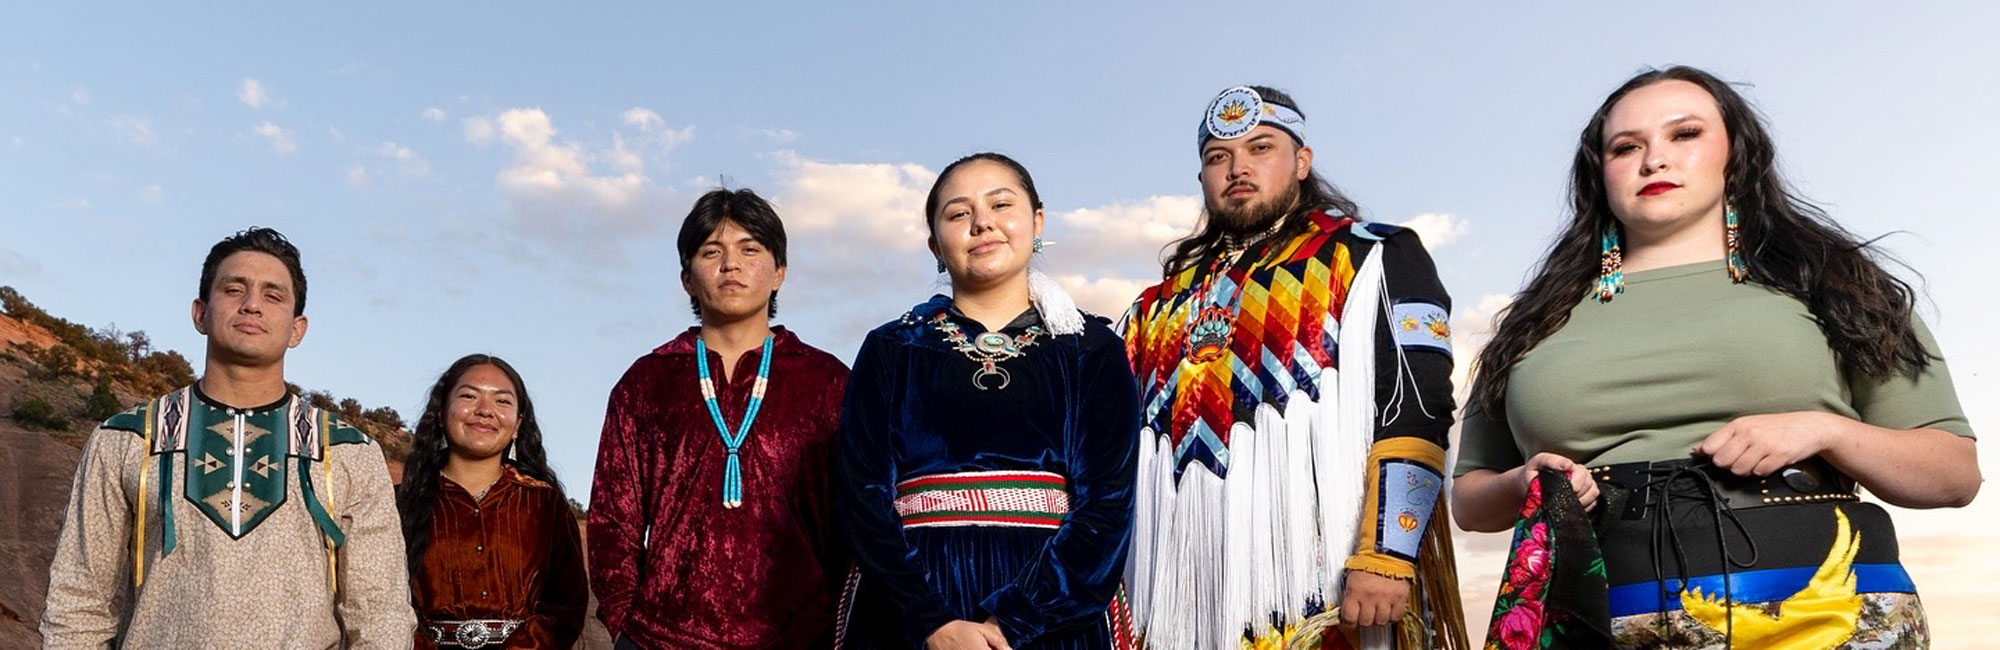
[(508, 177)]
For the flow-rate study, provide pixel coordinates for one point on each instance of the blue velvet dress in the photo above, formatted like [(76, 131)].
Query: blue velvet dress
[(913, 417)]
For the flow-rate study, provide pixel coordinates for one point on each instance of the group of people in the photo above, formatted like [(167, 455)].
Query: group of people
[(1674, 416)]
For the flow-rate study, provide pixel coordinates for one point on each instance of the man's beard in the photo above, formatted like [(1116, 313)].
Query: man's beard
[(1254, 217)]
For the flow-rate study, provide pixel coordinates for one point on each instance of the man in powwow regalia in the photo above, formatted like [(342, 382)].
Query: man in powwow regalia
[(1295, 373)]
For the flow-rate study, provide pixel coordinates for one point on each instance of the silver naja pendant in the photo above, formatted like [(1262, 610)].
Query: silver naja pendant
[(989, 370)]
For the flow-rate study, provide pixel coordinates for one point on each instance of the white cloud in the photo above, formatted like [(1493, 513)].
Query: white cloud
[(644, 118), (18, 142), (132, 129), (779, 136), (857, 241), (79, 96), (1436, 229), (152, 194), (252, 94), (478, 130), (560, 192), (654, 130), (280, 139), (1109, 297), (407, 161), (1129, 235), (1471, 327), (880, 204), (433, 114), (357, 176)]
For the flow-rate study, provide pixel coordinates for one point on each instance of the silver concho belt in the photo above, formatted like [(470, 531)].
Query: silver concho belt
[(470, 634)]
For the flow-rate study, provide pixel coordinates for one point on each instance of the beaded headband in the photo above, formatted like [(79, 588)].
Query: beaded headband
[(1237, 111)]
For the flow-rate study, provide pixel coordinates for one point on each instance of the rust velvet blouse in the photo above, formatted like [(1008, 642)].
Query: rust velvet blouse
[(513, 554)]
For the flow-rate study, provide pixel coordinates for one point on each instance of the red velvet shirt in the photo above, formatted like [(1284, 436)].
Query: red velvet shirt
[(674, 569), (513, 554)]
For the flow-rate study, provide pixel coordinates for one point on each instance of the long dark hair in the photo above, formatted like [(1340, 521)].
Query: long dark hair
[(1315, 193), (1790, 245), (417, 496)]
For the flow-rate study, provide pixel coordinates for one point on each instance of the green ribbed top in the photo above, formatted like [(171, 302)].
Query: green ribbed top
[(1681, 352)]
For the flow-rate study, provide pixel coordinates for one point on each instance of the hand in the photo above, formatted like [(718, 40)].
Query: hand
[(1758, 445), (1368, 599), (1579, 477), (967, 635)]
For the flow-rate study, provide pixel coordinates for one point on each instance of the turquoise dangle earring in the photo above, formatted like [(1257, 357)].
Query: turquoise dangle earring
[(1611, 265), (940, 265), (1732, 243), (1038, 244)]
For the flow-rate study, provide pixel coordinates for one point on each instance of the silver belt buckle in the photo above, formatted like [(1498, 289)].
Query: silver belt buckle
[(473, 635)]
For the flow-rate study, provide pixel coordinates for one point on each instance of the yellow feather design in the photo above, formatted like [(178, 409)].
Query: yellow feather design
[(1822, 615)]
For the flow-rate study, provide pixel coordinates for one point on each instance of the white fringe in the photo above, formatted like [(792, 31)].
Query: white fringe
[(1275, 535), (1240, 562), (1138, 569), (1058, 311), (1354, 420), (1301, 534)]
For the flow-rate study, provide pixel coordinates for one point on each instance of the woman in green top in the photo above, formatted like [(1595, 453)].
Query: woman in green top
[(1716, 364)]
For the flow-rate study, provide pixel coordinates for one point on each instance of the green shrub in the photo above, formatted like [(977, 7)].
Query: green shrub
[(102, 403), (35, 413)]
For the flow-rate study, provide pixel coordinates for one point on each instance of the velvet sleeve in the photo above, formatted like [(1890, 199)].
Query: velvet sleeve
[(865, 490), (1078, 572), (617, 518), (835, 561), (558, 617)]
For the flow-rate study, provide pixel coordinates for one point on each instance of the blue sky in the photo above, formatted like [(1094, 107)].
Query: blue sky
[(507, 177)]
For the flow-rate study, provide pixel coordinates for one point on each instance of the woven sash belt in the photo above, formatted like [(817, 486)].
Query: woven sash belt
[(1011, 499)]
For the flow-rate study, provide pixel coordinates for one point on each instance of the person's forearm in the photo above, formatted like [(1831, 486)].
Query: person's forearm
[(1919, 468), (1485, 501)]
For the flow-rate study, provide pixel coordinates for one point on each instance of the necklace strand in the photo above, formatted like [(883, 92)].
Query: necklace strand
[(732, 470)]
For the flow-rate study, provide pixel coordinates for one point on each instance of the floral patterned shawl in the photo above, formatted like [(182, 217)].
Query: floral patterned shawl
[(1553, 594)]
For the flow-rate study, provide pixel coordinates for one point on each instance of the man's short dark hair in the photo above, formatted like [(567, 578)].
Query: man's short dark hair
[(749, 211), (262, 240)]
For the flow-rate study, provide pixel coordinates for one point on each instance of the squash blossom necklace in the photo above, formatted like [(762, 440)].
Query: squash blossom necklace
[(732, 471), (987, 350)]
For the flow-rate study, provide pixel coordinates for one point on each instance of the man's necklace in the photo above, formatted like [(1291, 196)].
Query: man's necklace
[(732, 471)]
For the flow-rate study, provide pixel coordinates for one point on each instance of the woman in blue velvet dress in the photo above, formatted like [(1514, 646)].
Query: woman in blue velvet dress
[(988, 445)]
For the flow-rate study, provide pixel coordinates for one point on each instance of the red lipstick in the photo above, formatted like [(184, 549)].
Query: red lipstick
[(1657, 187)]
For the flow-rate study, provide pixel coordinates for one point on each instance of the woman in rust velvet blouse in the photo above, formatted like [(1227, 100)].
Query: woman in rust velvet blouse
[(494, 553)]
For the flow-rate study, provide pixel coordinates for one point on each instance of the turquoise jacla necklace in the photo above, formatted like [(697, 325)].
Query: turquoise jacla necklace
[(732, 472)]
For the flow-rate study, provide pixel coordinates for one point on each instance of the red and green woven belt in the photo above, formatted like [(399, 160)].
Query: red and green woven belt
[(1016, 499)]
